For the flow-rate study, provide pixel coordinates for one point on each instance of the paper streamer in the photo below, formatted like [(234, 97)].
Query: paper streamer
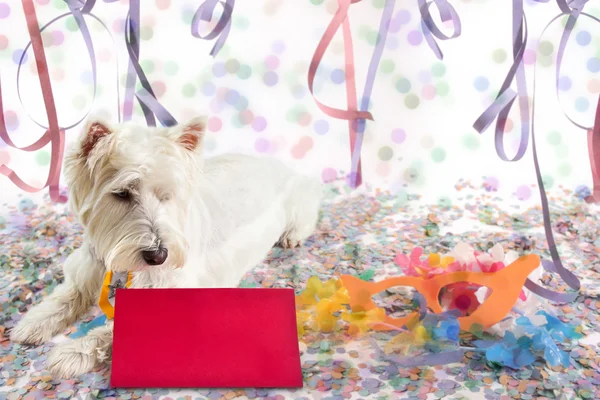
[(221, 29), (54, 134), (500, 109), (146, 98), (430, 29), (355, 117)]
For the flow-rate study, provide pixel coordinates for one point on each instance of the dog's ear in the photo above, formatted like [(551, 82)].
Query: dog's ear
[(191, 133), (94, 130)]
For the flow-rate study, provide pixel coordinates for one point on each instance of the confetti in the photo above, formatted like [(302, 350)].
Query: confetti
[(359, 236)]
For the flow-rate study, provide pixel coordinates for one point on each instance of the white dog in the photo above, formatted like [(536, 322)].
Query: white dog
[(151, 205)]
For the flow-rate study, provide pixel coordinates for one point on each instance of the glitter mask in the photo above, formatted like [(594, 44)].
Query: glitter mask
[(506, 285)]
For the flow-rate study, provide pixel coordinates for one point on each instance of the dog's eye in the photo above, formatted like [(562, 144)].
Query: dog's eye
[(122, 194)]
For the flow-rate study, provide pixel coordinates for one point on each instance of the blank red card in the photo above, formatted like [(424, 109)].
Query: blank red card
[(205, 338)]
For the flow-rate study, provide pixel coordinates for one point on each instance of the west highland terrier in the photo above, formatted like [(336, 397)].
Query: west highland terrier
[(151, 205)]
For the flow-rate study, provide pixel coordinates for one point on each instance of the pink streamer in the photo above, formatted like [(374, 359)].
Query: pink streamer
[(53, 135), (593, 137)]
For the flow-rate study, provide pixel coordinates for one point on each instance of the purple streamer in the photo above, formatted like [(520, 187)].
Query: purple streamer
[(150, 106), (77, 10), (384, 24), (447, 357), (221, 30), (447, 13), (500, 109)]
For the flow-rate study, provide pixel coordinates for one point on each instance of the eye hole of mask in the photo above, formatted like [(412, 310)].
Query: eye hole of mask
[(463, 296), (398, 301)]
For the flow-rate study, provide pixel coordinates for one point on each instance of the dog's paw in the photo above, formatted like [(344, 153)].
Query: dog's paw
[(71, 359), (288, 241), (30, 333)]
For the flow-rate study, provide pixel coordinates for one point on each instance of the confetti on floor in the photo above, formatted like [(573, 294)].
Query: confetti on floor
[(359, 233)]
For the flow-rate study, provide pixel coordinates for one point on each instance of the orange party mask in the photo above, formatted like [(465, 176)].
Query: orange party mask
[(506, 285)]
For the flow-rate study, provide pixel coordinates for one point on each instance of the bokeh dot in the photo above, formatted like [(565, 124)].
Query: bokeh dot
[(171, 68), (16, 56), (471, 141), (438, 70), (337, 76), (232, 65), (218, 69), (3, 42), (321, 126), (593, 64), (146, 32), (4, 10), (259, 124), (232, 97), (159, 88), (278, 47), (523, 192), (208, 89), (398, 135), (548, 181), (428, 92), (42, 158), (442, 88), (411, 101), (246, 117), (147, 66), (581, 104), (328, 175), (562, 151), (564, 83), (385, 153), (415, 38), (481, 83), (188, 90), (163, 4), (445, 202), (244, 72), (564, 169), (214, 124), (438, 154), (11, 120), (546, 48), (403, 85), (4, 157), (261, 145), (272, 62), (583, 38), (270, 78), (499, 56), (387, 66)]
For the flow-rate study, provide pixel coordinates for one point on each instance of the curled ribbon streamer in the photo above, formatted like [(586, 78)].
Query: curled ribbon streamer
[(76, 10), (150, 106), (386, 16), (447, 13), (444, 358), (352, 114), (221, 30), (54, 134), (593, 138), (501, 107)]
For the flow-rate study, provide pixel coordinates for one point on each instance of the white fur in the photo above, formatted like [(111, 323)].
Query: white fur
[(218, 218)]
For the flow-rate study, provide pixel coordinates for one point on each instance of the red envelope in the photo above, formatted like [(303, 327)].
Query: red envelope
[(201, 338)]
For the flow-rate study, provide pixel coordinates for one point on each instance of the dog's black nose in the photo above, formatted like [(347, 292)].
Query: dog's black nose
[(155, 257)]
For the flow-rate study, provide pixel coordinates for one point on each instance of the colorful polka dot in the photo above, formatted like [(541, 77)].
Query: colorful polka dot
[(411, 101), (523, 192), (4, 10), (564, 83), (42, 158), (438, 70), (398, 135), (270, 78), (337, 76), (259, 124), (499, 56), (403, 85), (438, 154), (328, 175), (415, 38), (261, 145), (385, 153), (546, 48), (581, 104), (321, 126), (214, 124), (593, 64), (481, 83), (583, 38)]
